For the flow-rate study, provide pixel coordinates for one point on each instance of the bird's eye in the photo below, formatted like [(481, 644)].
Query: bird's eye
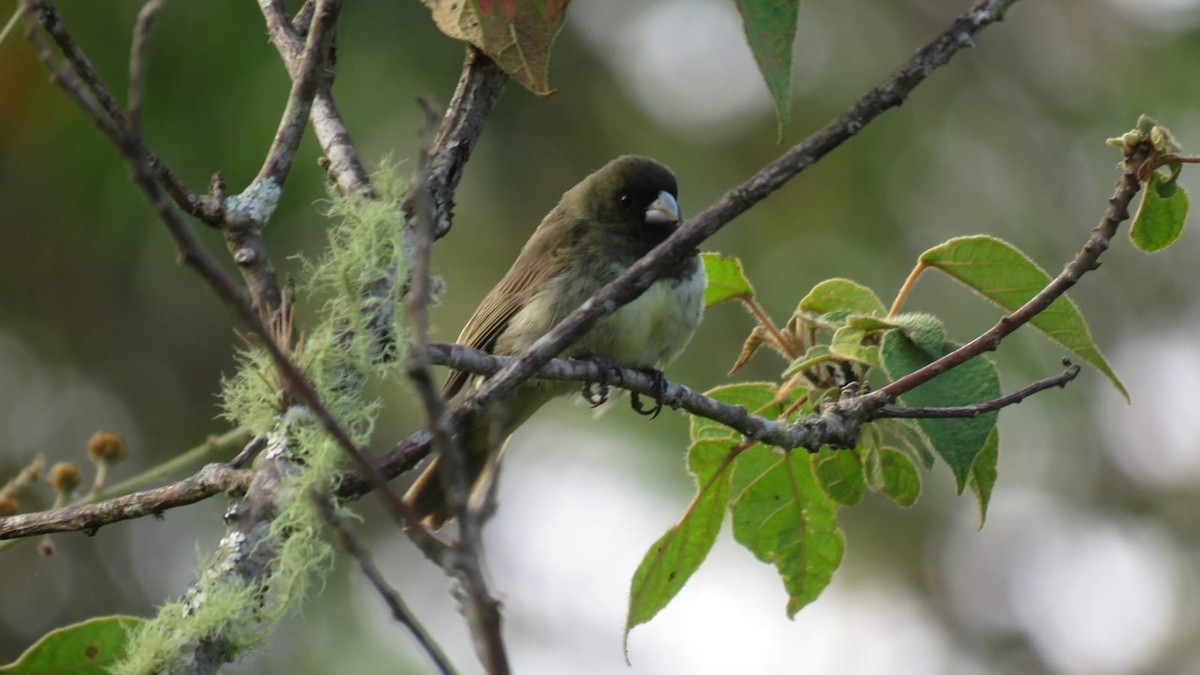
[(626, 200)]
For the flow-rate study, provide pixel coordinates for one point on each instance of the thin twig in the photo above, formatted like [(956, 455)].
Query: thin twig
[(753, 427), (417, 364), (24, 478), (92, 510), (11, 24), (137, 66), (464, 559), (1085, 261), (212, 479), (343, 163), (978, 409), (105, 110), (244, 215), (391, 598), (478, 89), (306, 79)]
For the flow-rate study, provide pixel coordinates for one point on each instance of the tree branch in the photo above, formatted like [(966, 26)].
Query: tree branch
[(463, 560), (978, 409), (242, 217), (212, 479), (342, 161), (479, 87), (391, 598)]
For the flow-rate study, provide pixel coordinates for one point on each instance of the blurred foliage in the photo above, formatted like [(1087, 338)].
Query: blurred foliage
[(100, 328)]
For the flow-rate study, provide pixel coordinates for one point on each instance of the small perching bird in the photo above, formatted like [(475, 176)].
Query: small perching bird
[(596, 231)]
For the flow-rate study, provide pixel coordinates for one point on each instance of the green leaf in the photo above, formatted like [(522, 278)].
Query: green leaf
[(770, 27), (85, 648), (676, 555), (816, 355), (752, 396), (848, 344), (926, 330), (983, 474), (1004, 275), (726, 279), (841, 475), (910, 436), (516, 35), (957, 440), (842, 294), (901, 480), (784, 517), (1160, 218)]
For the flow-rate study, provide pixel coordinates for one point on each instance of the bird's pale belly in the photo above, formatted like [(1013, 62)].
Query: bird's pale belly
[(648, 332), (653, 329)]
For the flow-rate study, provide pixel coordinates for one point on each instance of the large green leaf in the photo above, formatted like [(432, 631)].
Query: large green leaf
[(770, 27), (840, 473), (516, 35), (956, 440), (901, 480), (1160, 218), (85, 648), (909, 435), (984, 473), (672, 559), (1004, 275), (726, 279), (842, 294), (784, 517)]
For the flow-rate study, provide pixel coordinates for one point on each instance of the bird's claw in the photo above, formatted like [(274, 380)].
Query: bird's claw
[(660, 392), (609, 372)]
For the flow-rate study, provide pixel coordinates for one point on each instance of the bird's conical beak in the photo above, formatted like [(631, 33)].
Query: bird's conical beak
[(663, 211)]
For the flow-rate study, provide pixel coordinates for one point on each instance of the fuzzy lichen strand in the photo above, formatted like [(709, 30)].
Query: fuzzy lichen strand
[(356, 282)]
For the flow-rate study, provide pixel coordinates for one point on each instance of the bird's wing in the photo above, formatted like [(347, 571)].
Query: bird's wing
[(501, 305)]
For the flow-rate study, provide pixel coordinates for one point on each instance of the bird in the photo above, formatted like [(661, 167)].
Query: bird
[(597, 230)]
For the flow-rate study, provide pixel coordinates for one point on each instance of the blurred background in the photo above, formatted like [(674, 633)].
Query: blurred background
[(1090, 560)]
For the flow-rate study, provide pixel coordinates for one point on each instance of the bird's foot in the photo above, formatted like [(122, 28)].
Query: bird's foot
[(660, 392), (609, 372)]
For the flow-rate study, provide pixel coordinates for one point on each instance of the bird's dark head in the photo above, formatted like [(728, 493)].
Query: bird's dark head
[(632, 194)]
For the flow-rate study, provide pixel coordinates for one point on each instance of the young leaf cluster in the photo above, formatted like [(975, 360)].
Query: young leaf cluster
[(842, 340)]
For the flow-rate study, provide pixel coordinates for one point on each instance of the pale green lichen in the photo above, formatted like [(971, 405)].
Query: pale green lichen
[(359, 337), (257, 203)]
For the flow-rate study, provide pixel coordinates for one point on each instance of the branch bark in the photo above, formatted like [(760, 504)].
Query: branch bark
[(212, 479)]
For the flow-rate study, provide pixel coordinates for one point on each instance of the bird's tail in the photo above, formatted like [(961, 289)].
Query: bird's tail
[(482, 437), (427, 495)]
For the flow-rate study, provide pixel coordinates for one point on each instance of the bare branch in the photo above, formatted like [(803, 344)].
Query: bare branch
[(305, 82), (242, 216), (54, 520), (343, 163), (104, 109), (137, 65), (978, 409), (391, 598), (478, 89), (212, 479), (464, 559)]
